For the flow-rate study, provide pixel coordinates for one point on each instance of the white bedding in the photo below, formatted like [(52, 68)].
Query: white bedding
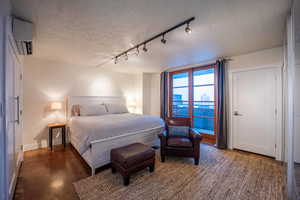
[(86, 129)]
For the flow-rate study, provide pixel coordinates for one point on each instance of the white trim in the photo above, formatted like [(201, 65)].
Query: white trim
[(3, 151), (279, 133), (30, 147), (43, 144)]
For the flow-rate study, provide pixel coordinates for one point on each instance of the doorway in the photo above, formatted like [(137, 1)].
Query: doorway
[(256, 110)]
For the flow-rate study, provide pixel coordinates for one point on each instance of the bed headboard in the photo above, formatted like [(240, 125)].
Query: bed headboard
[(83, 100)]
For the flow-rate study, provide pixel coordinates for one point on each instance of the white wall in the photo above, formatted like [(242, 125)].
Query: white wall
[(151, 94), (264, 58), (46, 81)]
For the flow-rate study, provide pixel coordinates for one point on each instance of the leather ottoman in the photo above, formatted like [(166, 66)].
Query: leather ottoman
[(132, 158)]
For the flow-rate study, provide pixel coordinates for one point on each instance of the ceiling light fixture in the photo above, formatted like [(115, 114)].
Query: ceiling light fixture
[(145, 48), (163, 40), (188, 28)]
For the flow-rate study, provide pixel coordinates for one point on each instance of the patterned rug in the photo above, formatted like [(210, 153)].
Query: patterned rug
[(220, 175)]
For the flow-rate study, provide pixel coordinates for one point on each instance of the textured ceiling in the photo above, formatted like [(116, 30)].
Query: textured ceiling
[(88, 32)]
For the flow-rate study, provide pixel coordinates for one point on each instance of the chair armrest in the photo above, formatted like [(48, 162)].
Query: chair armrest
[(195, 135)]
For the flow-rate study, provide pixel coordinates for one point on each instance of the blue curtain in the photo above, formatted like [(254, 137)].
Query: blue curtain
[(221, 110), (164, 95)]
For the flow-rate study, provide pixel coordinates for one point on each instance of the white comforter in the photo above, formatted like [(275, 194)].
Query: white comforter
[(84, 130)]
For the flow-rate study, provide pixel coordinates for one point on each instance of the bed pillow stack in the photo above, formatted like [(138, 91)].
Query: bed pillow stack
[(93, 110), (116, 108), (100, 109)]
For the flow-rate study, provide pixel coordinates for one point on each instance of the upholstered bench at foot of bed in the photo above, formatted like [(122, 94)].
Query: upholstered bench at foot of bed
[(132, 158)]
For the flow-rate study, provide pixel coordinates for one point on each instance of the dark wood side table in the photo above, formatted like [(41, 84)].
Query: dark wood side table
[(52, 126)]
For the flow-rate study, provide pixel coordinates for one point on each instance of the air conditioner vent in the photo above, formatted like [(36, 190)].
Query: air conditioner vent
[(23, 34)]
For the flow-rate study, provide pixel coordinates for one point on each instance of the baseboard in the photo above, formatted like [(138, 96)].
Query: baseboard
[(56, 140), (29, 147), (12, 188), (42, 144)]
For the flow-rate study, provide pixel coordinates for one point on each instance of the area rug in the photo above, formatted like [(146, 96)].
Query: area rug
[(220, 175)]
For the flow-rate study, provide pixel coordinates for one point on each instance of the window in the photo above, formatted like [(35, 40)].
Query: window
[(180, 99), (192, 95)]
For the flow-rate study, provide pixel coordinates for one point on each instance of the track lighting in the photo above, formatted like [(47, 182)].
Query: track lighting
[(163, 40), (188, 29), (144, 48)]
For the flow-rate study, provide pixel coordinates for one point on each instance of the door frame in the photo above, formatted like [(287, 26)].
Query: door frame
[(279, 99)]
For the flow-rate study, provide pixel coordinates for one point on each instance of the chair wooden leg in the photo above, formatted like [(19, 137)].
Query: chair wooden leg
[(152, 167), (197, 153), (163, 157), (162, 154), (126, 180), (196, 157), (113, 170)]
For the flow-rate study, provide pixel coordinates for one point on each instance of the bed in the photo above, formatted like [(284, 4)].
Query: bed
[(94, 136)]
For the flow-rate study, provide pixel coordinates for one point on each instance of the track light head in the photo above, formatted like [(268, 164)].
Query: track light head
[(144, 48), (163, 40), (137, 50), (116, 60), (188, 28)]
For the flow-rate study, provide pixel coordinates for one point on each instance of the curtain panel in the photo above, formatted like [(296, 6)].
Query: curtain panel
[(164, 95), (221, 108)]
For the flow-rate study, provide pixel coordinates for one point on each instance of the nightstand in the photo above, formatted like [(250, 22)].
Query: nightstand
[(52, 126)]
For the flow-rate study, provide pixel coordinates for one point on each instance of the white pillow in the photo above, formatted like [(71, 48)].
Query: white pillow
[(116, 108), (92, 110)]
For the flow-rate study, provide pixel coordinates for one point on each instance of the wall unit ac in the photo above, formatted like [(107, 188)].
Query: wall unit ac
[(23, 34)]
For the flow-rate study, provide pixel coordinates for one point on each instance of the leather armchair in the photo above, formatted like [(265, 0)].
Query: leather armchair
[(186, 143)]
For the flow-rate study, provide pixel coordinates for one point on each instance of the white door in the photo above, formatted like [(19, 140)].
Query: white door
[(13, 95), (254, 110), (10, 116), (18, 106)]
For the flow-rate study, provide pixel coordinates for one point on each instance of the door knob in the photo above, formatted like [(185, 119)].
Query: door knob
[(236, 113)]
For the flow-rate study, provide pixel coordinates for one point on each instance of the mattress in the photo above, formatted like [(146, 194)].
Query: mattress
[(86, 129)]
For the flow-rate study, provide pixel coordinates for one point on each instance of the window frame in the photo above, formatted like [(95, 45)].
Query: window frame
[(191, 95)]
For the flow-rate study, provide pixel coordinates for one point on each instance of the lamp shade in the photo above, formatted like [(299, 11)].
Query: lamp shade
[(56, 106), (131, 104)]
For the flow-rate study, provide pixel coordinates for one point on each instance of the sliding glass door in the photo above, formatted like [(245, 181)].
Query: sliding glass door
[(192, 95), (204, 101)]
